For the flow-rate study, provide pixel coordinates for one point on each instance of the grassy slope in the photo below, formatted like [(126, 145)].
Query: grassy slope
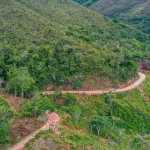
[(68, 139), (146, 86), (64, 14), (129, 107)]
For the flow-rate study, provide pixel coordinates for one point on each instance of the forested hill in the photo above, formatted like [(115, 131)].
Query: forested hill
[(134, 12), (57, 41)]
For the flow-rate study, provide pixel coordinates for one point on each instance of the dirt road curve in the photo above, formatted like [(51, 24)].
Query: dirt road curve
[(52, 123), (142, 77)]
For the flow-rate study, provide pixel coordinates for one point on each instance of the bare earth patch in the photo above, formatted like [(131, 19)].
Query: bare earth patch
[(23, 127), (52, 123), (13, 101)]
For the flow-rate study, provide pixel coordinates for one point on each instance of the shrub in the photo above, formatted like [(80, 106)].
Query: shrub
[(77, 84), (4, 131), (27, 109), (100, 125), (70, 99), (45, 103), (36, 107), (5, 114)]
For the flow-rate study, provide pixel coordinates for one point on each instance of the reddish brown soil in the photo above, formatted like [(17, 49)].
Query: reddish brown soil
[(145, 71), (66, 86), (52, 123), (105, 141), (23, 127), (60, 102), (13, 101), (98, 84), (134, 85), (91, 84)]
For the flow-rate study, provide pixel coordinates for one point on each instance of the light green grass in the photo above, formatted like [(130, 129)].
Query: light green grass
[(76, 141)]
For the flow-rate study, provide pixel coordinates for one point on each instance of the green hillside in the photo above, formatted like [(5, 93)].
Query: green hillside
[(58, 41), (134, 12), (114, 8)]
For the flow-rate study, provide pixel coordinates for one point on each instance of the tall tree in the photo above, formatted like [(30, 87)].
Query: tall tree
[(20, 82)]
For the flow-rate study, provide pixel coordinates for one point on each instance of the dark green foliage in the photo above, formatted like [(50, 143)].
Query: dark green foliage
[(100, 124), (5, 111), (37, 106), (109, 98), (4, 131), (45, 103), (77, 84), (70, 99), (101, 109), (5, 114)]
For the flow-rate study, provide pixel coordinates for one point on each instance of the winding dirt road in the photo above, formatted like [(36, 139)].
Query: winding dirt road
[(52, 123), (53, 118), (141, 79)]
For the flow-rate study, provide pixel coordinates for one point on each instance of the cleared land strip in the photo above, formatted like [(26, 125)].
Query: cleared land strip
[(138, 82)]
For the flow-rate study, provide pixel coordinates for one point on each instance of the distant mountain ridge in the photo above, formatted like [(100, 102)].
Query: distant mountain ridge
[(134, 12)]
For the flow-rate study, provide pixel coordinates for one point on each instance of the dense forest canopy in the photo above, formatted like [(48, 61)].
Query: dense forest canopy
[(55, 41)]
